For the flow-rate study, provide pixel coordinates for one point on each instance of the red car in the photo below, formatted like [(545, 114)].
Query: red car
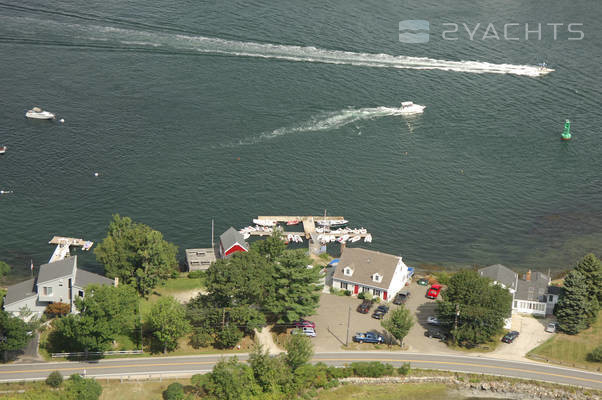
[(433, 291), (303, 323)]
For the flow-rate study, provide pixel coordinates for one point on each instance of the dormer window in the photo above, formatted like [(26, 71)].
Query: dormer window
[(348, 271), (377, 277)]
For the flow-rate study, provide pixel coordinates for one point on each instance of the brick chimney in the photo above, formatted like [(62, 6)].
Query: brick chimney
[(528, 275), (116, 281)]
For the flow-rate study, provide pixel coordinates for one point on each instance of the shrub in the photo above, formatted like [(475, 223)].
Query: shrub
[(595, 355), (376, 299), (55, 379), (361, 296), (82, 388), (195, 274), (324, 256), (174, 391), (228, 337), (57, 308), (347, 292), (404, 369), (371, 369), (338, 373), (201, 338), (367, 295)]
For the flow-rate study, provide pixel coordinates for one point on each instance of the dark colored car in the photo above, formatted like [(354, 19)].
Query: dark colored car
[(303, 323), (422, 282), (401, 298), (380, 312), (365, 307), (434, 333), (510, 336), (433, 291), (368, 337)]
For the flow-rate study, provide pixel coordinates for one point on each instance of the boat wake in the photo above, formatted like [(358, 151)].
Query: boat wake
[(161, 41)]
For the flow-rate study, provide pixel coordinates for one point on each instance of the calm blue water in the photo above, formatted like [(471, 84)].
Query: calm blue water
[(191, 110)]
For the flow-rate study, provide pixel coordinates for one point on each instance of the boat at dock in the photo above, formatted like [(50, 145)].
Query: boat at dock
[(38, 113), (408, 107), (264, 222), (293, 222)]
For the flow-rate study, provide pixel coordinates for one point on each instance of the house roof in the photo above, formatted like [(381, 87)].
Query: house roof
[(84, 278), (232, 237), (501, 274), (200, 256), (557, 290), (366, 263), (20, 291), (57, 269), (533, 289)]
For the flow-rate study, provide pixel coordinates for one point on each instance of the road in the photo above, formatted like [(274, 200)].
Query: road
[(188, 365)]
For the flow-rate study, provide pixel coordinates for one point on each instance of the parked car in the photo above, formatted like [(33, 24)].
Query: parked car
[(552, 327), (380, 312), (368, 337), (433, 291), (510, 336), (304, 323), (435, 333), (365, 307), (422, 282), (432, 320), (307, 331), (401, 298)]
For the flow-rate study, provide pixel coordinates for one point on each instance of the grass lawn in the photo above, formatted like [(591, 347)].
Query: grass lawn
[(149, 390), (571, 349), (172, 287), (407, 391)]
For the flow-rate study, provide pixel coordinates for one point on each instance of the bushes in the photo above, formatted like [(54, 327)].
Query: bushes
[(82, 388), (371, 369), (228, 337), (57, 309), (174, 391), (595, 355), (404, 369), (347, 292), (201, 338), (195, 274), (361, 296), (55, 379)]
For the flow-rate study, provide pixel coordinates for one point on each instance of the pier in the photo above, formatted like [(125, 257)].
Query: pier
[(64, 243)]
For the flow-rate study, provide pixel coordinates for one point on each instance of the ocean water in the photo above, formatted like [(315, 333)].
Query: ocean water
[(195, 110)]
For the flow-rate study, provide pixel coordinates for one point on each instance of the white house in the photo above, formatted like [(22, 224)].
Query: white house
[(361, 270), (59, 281), (531, 294)]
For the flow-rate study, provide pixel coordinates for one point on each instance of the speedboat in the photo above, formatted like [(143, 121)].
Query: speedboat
[(408, 107), (38, 113), (2, 149), (264, 222)]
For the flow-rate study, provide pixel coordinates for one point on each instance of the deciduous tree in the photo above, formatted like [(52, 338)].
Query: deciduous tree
[(137, 254), (398, 323), (13, 333), (272, 247), (82, 388), (167, 319), (299, 350)]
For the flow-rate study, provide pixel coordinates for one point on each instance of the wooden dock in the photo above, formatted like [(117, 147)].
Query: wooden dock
[(63, 244), (309, 226)]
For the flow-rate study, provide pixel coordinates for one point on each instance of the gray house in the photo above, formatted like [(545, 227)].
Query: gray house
[(60, 281)]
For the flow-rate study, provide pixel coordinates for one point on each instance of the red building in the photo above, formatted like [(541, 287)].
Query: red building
[(231, 242)]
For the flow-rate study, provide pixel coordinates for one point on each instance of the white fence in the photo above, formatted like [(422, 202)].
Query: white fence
[(96, 353)]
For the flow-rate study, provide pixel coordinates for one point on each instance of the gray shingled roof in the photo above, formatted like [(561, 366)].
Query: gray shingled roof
[(57, 269), (231, 237), (20, 291), (557, 290), (366, 263), (533, 289), (501, 274), (84, 278)]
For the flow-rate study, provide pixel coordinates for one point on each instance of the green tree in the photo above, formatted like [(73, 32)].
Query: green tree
[(271, 373), (175, 391), (481, 306), (4, 270), (13, 334), (230, 380), (82, 388), (228, 337), (595, 355), (167, 319), (573, 307), (398, 323), (296, 290), (136, 254), (591, 268), (272, 247), (299, 350), (55, 379), (104, 312)]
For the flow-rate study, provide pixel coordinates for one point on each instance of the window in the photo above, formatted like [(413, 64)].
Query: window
[(344, 285), (377, 278), (365, 289), (348, 271), (47, 291), (376, 292), (515, 304), (550, 298), (61, 282), (80, 293)]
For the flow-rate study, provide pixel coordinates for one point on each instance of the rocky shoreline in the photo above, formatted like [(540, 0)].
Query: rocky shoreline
[(493, 389)]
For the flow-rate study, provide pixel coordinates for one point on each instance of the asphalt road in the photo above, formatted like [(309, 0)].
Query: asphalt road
[(187, 365)]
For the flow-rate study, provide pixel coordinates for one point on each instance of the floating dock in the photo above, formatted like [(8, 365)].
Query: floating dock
[(64, 243)]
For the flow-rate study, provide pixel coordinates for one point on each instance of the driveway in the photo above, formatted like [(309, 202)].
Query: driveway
[(532, 334)]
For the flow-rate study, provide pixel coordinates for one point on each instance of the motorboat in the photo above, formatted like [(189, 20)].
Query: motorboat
[(2, 149), (408, 107), (38, 113), (293, 222), (264, 222)]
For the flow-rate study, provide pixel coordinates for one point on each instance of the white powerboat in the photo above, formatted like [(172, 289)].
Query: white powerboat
[(408, 107), (38, 113), (2, 149)]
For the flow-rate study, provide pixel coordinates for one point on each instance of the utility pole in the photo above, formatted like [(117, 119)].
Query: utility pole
[(348, 320), (456, 320)]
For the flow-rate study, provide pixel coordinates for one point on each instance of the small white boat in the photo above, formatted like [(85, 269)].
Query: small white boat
[(408, 107), (355, 239), (2, 149), (368, 238), (38, 113), (264, 222), (246, 235)]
